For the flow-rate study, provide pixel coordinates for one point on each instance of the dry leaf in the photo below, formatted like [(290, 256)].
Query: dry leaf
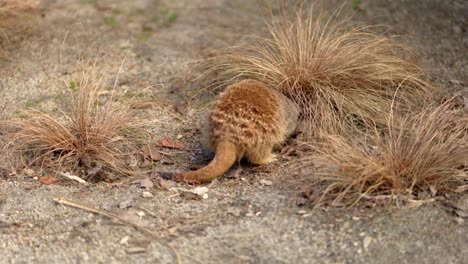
[(145, 183), (169, 143), (48, 180), (29, 172), (180, 107), (151, 153)]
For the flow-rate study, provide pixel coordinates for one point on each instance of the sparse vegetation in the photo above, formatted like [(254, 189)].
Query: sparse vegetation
[(10, 12), (423, 153), (89, 132), (169, 16), (9, 7), (111, 21), (363, 108), (334, 70), (356, 3)]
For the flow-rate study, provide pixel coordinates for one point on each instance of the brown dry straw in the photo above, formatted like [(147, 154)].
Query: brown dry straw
[(15, 16), (332, 68), (9, 7), (427, 152), (90, 131)]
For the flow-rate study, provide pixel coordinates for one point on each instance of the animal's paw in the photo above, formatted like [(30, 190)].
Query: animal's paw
[(273, 158)]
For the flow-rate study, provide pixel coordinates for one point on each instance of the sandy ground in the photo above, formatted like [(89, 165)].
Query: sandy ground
[(249, 219)]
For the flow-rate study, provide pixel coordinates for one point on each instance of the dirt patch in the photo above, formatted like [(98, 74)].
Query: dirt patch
[(251, 218)]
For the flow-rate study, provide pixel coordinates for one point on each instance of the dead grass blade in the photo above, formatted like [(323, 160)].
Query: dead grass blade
[(421, 153), (120, 219)]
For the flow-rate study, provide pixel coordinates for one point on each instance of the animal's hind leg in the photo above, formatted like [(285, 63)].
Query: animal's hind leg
[(260, 155)]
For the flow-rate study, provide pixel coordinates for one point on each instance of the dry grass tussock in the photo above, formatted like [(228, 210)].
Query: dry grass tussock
[(367, 111), (14, 18), (89, 135), (429, 154), (15, 8), (8, 7), (332, 68)]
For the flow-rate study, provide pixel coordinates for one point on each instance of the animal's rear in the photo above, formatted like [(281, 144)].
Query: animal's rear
[(247, 118), (249, 114)]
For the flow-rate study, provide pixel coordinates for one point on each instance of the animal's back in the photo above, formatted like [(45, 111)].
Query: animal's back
[(248, 114)]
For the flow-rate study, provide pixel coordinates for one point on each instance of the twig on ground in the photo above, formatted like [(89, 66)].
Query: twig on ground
[(118, 218)]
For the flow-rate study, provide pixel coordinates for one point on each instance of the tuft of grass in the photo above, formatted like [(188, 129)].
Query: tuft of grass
[(334, 70), (111, 21), (169, 16), (88, 131), (356, 3), (72, 85), (422, 153)]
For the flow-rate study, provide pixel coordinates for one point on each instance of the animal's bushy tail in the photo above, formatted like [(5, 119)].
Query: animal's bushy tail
[(226, 155)]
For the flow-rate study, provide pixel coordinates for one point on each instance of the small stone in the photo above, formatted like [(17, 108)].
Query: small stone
[(29, 172), (147, 195), (346, 225), (141, 213), (266, 182), (124, 240), (366, 242), (201, 191), (301, 212)]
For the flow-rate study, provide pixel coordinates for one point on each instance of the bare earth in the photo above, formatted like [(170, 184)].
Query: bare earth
[(249, 219)]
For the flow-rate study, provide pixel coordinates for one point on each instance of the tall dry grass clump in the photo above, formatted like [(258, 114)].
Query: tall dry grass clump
[(89, 134), (427, 152), (10, 9), (15, 19), (332, 68)]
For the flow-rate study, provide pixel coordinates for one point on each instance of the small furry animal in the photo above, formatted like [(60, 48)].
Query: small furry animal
[(247, 120)]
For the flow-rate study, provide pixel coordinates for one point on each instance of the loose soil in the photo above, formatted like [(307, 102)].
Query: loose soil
[(252, 218)]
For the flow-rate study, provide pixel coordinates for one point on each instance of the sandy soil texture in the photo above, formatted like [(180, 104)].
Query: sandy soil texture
[(251, 218)]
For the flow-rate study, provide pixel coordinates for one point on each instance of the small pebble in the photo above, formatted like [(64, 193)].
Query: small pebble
[(266, 182), (29, 172), (147, 195), (301, 212)]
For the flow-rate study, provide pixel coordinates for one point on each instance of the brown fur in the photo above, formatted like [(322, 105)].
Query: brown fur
[(248, 120)]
